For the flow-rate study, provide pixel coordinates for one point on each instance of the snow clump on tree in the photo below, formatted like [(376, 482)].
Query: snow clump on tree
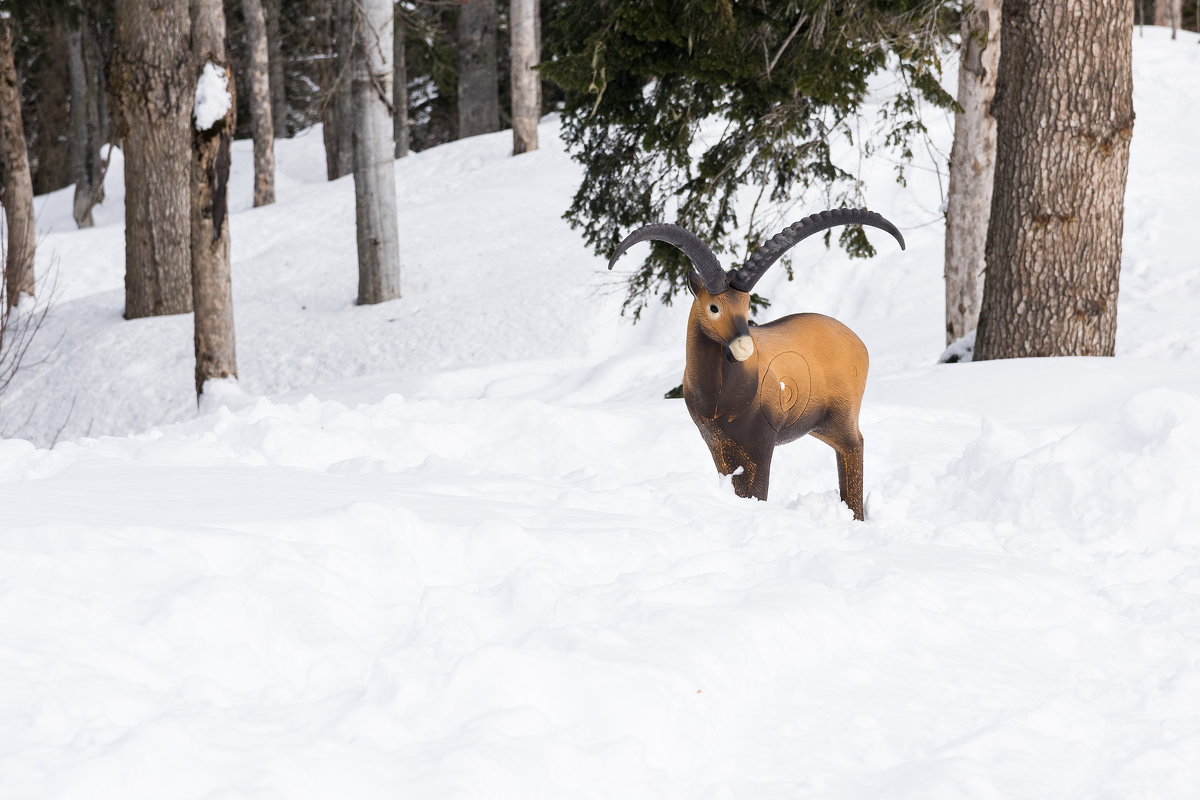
[(212, 96)]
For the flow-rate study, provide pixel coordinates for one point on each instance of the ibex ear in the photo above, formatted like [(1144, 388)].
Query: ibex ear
[(694, 283)]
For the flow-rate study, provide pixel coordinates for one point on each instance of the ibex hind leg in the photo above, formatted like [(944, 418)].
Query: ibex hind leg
[(849, 448)]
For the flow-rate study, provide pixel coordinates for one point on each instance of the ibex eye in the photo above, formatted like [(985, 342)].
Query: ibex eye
[(714, 310)]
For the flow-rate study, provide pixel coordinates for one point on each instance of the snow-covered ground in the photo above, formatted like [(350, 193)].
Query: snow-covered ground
[(457, 546)]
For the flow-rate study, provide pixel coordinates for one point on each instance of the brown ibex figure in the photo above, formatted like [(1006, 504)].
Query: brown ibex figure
[(750, 388)]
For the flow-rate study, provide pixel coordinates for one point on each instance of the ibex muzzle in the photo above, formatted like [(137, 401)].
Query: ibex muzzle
[(748, 388)]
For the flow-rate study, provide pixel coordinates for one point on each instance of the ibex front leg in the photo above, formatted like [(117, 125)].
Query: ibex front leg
[(747, 456)]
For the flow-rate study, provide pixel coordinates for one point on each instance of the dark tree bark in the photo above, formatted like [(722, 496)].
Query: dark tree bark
[(88, 134), (279, 107), (329, 76), (49, 143), (212, 290), (972, 160), (339, 130), (374, 148), (16, 182), (526, 84), (1064, 111), (153, 87), (261, 124), (478, 81), (399, 85)]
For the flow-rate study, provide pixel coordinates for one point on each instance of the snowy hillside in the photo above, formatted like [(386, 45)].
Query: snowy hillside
[(457, 546)]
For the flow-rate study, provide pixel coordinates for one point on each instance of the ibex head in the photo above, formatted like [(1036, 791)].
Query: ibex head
[(723, 317), (748, 391)]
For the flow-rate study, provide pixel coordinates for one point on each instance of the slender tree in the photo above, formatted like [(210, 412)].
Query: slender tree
[(1064, 111), (526, 84), (272, 9), (374, 151), (1168, 13), (212, 139), (478, 82), (330, 76), (152, 85), (49, 100), (339, 142), (88, 112), (399, 84), (261, 124), (16, 183), (972, 160)]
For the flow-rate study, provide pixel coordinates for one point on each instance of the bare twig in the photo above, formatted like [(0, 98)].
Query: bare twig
[(19, 324), (786, 42)]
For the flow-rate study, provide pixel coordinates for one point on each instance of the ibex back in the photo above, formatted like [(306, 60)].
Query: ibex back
[(750, 388)]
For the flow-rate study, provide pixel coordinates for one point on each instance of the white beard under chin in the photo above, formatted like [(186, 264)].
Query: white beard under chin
[(742, 348)]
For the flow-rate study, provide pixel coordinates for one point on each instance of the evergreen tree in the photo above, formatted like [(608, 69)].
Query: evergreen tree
[(778, 78)]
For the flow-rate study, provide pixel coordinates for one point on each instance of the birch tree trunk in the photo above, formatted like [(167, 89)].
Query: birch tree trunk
[(261, 125), (87, 121), (1064, 112), (212, 290), (399, 85), (16, 182), (153, 89), (972, 161), (526, 84), (478, 81), (374, 151)]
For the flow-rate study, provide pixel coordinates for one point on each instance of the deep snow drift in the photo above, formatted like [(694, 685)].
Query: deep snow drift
[(457, 545)]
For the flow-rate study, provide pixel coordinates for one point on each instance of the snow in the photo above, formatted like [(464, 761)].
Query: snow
[(456, 545), (212, 96), (960, 350)]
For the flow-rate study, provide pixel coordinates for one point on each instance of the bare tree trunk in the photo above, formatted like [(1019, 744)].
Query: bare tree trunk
[(526, 84), (153, 89), (972, 160), (330, 75), (87, 121), (399, 85), (374, 149), (1168, 14), (342, 106), (49, 142), (16, 182), (478, 82), (212, 289), (261, 125), (1064, 111), (279, 115)]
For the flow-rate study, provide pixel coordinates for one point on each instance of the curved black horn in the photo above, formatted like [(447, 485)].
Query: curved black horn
[(745, 276), (702, 257)]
